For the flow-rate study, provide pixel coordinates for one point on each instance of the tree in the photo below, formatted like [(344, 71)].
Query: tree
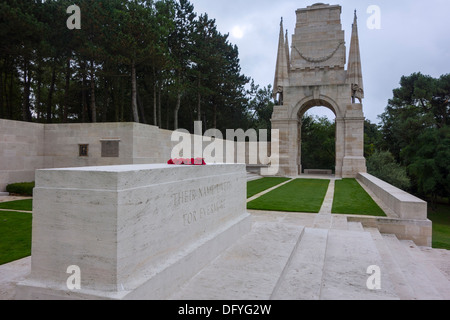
[(415, 128), (128, 55), (417, 105), (429, 163), (372, 138), (382, 165), (318, 143), (260, 107), (181, 47)]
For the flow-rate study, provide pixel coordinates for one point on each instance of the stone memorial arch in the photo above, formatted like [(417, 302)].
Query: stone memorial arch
[(313, 74)]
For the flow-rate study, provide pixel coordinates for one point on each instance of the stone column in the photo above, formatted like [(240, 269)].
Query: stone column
[(289, 146), (340, 146), (354, 161)]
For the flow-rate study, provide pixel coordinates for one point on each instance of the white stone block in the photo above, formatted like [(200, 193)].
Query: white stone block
[(135, 231), (404, 205)]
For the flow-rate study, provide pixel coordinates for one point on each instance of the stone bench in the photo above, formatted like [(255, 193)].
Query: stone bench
[(403, 204), (318, 171), (134, 231)]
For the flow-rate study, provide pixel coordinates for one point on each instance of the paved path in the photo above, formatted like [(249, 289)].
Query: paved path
[(13, 198), (328, 202), (10, 210)]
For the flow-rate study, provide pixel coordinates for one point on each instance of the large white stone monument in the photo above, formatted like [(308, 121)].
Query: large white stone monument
[(133, 231), (312, 73)]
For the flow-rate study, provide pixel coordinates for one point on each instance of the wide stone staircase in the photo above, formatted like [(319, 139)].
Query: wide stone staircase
[(291, 256)]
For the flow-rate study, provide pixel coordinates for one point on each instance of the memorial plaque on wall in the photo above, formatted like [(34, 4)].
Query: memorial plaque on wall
[(110, 148), (83, 150)]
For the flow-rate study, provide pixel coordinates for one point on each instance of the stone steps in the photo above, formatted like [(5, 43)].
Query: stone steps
[(303, 277), (349, 255), (280, 260), (397, 276), (414, 275), (437, 279), (339, 222), (249, 270), (440, 259), (412, 270)]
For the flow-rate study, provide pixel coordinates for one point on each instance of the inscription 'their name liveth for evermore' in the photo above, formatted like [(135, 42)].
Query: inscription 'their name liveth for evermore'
[(187, 196)]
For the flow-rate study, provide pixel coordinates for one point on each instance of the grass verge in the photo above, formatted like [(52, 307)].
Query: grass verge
[(300, 195), (20, 205), (441, 226), (15, 236), (351, 198), (257, 186)]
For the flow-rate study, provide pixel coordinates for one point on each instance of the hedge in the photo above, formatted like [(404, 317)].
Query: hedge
[(23, 188)]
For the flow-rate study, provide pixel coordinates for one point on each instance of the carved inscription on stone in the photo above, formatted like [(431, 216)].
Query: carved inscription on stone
[(202, 212), (187, 196)]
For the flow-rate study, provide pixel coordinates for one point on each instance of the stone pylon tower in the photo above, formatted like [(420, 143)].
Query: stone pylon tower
[(315, 75)]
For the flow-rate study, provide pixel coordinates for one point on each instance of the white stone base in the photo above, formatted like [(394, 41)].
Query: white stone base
[(164, 282), (135, 232)]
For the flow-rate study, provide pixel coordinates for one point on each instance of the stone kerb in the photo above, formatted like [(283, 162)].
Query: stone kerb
[(404, 205), (407, 214), (134, 231)]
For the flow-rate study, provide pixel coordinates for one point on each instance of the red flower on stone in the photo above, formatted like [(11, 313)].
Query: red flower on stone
[(187, 161)]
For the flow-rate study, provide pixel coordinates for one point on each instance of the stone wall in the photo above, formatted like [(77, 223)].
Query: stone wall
[(25, 147), (21, 151), (62, 142)]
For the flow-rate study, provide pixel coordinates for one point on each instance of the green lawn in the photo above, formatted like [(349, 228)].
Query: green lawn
[(21, 205), (15, 236), (351, 198), (257, 186), (441, 226), (300, 195)]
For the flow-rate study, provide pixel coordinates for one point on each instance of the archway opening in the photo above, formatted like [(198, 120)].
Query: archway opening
[(317, 141)]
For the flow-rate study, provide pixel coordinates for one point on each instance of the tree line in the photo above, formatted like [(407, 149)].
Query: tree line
[(154, 62), (415, 130)]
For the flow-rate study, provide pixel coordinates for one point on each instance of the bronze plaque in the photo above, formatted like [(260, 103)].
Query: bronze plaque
[(110, 149), (83, 150)]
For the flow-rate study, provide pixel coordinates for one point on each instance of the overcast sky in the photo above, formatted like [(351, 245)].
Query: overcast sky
[(414, 37)]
